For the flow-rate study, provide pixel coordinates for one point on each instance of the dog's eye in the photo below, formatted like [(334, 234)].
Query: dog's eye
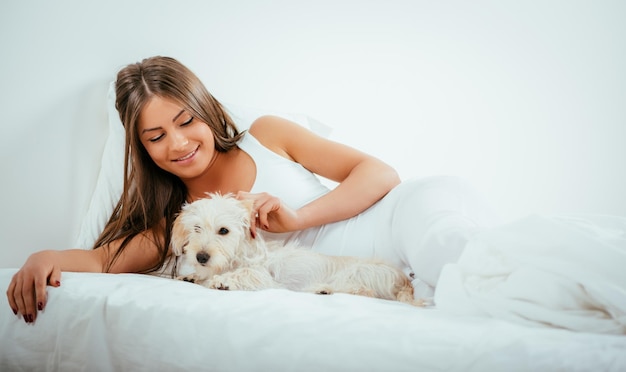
[(197, 228), (223, 231)]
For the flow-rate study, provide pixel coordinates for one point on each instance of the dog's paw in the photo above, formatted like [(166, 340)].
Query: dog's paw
[(187, 279), (324, 291), (218, 283)]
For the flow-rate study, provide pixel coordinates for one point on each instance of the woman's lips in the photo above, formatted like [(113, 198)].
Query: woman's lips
[(188, 156)]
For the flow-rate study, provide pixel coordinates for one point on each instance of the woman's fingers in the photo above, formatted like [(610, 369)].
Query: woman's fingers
[(18, 296), (40, 286), (55, 277), (263, 205), (27, 294), (11, 297), (28, 298), (264, 209), (253, 225), (269, 213)]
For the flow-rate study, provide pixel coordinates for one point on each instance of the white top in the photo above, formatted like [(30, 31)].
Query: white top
[(296, 186)]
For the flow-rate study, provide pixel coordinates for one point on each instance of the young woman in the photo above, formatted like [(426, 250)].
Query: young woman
[(181, 144)]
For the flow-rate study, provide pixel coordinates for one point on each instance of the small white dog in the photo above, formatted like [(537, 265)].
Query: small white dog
[(212, 240)]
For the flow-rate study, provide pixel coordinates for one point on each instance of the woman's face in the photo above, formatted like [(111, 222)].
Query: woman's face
[(176, 141)]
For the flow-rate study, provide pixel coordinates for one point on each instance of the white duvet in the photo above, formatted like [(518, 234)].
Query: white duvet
[(566, 272), (132, 322)]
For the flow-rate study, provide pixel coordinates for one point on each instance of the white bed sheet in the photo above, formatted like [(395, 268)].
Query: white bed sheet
[(133, 322), (561, 271)]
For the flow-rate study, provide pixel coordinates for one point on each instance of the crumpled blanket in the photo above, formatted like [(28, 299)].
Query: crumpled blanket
[(559, 271)]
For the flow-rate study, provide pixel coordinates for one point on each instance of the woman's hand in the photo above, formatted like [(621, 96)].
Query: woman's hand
[(27, 291), (270, 214)]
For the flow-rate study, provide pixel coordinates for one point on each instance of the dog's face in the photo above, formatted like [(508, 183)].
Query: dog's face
[(209, 235)]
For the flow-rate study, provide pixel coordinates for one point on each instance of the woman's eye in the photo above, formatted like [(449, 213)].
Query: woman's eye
[(223, 231), (156, 139), (187, 122)]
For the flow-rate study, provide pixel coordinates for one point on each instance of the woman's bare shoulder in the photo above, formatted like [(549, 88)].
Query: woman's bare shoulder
[(277, 133), (274, 126)]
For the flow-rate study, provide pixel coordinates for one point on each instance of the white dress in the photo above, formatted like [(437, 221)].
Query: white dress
[(420, 225)]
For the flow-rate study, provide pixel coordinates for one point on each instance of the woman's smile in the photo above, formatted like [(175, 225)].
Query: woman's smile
[(187, 158)]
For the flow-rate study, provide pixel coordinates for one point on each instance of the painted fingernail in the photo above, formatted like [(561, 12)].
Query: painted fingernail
[(30, 318), (40, 306), (266, 227), (14, 311), (58, 283), (25, 318)]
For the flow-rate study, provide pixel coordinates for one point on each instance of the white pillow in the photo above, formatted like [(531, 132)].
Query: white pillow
[(111, 176)]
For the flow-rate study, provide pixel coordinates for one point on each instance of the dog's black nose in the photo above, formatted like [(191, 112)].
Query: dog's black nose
[(202, 257)]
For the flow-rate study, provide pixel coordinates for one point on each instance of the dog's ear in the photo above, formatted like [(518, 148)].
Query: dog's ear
[(249, 206), (249, 218), (179, 236)]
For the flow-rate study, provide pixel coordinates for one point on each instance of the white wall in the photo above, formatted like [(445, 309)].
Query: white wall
[(526, 99)]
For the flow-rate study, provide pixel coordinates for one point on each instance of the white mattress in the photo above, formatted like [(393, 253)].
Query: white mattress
[(133, 322)]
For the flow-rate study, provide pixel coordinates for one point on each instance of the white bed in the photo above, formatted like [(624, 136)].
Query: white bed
[(565, 315), (133, 322)]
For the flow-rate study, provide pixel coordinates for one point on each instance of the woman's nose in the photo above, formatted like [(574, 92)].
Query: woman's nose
[(179, 141)]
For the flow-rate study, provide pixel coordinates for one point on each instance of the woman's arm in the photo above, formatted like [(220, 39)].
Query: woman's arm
[(363, 179), (27, 291)]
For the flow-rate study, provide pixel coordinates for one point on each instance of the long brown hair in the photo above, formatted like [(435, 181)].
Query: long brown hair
[(152, 197)]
